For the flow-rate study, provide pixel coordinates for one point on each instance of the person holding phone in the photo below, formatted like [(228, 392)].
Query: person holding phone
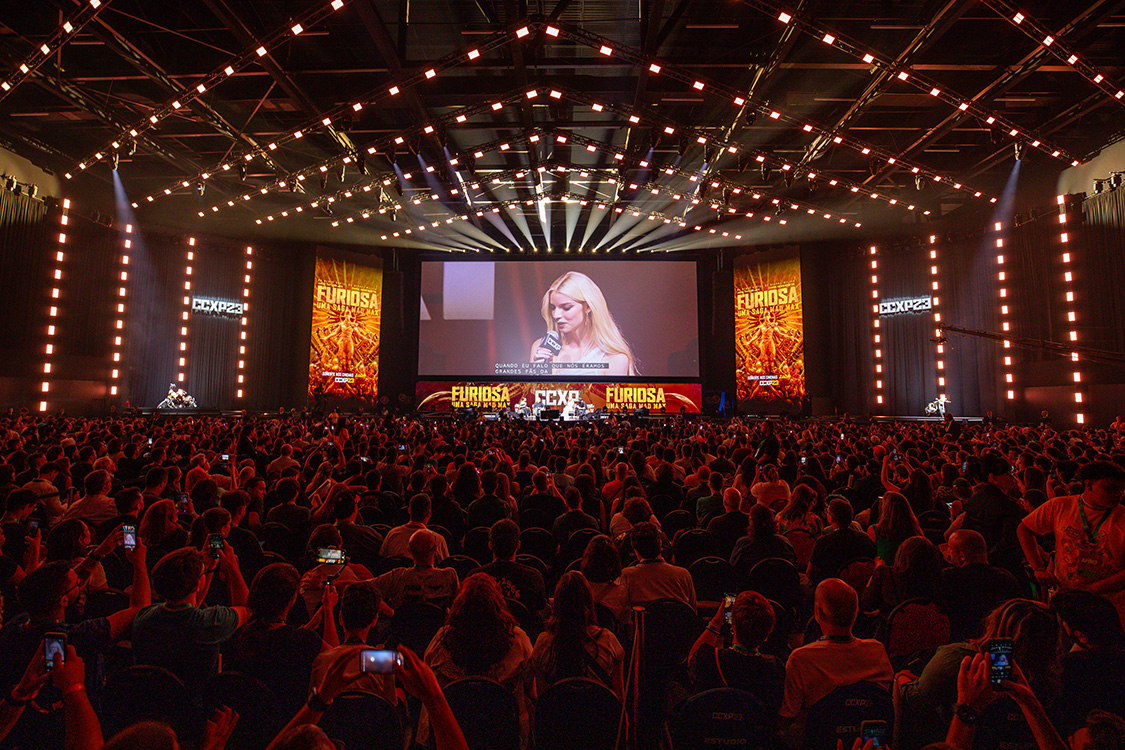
[(1028, 626), (740, 665)]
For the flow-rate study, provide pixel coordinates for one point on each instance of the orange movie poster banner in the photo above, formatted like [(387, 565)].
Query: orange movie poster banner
[(769, 335), (344, 344), (667, 398)]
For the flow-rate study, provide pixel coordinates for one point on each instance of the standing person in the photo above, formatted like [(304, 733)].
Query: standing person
[(994, 510), (575, 309), (1089, 531)]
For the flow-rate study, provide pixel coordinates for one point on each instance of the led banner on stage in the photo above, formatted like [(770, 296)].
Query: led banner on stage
[(344, 350), (769, 335), (614, 397)]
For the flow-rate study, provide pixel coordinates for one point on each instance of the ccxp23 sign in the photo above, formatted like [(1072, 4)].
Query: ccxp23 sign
[(218, 307), (899, 306)]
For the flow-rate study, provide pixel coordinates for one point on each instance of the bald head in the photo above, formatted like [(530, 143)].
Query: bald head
[(836, 606), (732, 499), (967, 546), (422, 547)]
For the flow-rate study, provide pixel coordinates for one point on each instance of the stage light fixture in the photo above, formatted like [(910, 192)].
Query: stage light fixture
[(767, 173), (323, 180), (242, 170), (343, 170), (1019, 150), (114, 160), (918, 183), (201, 187)]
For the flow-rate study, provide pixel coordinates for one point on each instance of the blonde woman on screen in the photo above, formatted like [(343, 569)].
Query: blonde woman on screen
[(575, 308)]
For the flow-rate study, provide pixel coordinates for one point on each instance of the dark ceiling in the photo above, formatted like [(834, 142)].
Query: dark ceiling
[(581, 124)]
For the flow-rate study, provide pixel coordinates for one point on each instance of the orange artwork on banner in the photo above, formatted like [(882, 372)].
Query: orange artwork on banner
[(769, 335), (344, 344)]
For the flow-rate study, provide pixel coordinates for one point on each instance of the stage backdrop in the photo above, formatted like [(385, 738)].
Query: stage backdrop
[(656, 397), (344, 341), (769, 334)]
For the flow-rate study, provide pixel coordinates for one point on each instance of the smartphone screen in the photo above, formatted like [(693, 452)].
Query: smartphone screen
[(130, 536), (876, 731), (226, 457), (1000, 660), (54, 643), (728, 607), (620, 451), (804, 460), (330, 556), (215, 541), (964, 466), (837, 458), (33, 525), (379, 661)]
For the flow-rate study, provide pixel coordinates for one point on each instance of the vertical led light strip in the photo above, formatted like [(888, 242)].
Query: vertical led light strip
[(242, 322), (876, 324), (185, 316), (936, 287), (1005, 320), (1071, 316), (119, 322), (53, 305)]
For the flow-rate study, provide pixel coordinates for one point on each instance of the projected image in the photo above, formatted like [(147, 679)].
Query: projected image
[(769, 340), (344, 341), (582, 319)]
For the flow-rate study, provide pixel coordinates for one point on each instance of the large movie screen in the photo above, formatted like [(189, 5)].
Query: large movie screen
[(578, 320)]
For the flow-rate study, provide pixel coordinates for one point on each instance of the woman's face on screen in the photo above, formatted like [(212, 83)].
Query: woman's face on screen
[(567, 312)]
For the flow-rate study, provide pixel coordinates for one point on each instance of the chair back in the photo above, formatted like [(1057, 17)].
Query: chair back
[(363, 721), (857, 572), (415, 624), (915, 625), (461, 563), (534, 562), (692, 544), (476, 545), (535, 518), (670, 631), (837, 716), (487, 713), (445, 533), (165, 699), (713, 578), (723, 717), (803, 542), (370, 515), (777, 642), (280, 539), (259, 715), (557, 707), (539, 542), (529, 621), (576, 545), (105, 602), (677, 521), (776, 578)]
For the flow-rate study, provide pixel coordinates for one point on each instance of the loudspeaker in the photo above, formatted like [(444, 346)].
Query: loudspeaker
[(549, 414)]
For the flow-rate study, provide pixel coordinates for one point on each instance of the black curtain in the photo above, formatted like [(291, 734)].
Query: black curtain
[(24, 274), (909, 356), (970, 298)]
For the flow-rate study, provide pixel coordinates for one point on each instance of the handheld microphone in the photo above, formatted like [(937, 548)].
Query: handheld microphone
[(550, 341)]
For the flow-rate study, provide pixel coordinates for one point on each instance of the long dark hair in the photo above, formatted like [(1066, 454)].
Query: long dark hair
[(572, 614), (480, 629)]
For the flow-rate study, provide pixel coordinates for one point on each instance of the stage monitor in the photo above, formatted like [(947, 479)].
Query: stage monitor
[(575, 319)]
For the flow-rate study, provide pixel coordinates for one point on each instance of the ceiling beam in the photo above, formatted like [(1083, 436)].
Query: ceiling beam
[(245, 37)]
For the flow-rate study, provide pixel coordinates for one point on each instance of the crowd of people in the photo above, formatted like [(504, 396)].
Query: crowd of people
[(792, 561)]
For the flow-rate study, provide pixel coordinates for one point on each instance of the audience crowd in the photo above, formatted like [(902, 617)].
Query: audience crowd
[(831, 578)]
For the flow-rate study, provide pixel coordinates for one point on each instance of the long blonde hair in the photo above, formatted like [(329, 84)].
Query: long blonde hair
[(605, 333)]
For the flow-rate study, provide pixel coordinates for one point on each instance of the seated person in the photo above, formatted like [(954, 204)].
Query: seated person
[(740, 665), (327, 536), (518, 581), (422, 582)]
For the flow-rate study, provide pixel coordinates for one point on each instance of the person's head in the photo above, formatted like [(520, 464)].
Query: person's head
[(574, 306), (49, 471), (840, 512), (479, 626), (715, 483), (178, 574), (919, 561), (896, 519), (1091, 620), (151, 735), (420, 508), (539, 481), (67, 540), (732, 499), (156, 479), (211, 521), (273, 592), (1103, 484), (422, 547), (129, 502), (303, 737), (488, 481), (573, 498), (97, 483), (572, 610), (158, 522), (998, 472), (1035, 632), (359, 607), (800, 501), (752, 619), (235, 502), (325, 536), (1102, 731), (835, 606), (763, 522), (601, 562), (636, 510), (21, 503), (345, 508), (967, 547), (645, 538), (287, 490), (48, 590), (504, 539), (255, 486)]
